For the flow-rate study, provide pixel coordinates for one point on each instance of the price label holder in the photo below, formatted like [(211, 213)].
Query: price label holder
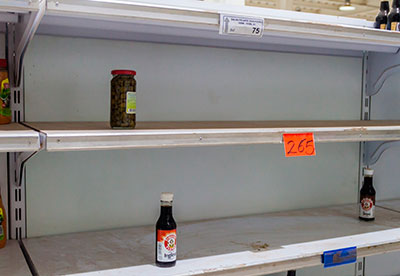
[(241, 25), (339, 257), (299, 144)]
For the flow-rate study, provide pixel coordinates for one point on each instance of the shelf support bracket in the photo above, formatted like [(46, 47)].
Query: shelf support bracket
[(374, 150), (18, 37), (385, 65)]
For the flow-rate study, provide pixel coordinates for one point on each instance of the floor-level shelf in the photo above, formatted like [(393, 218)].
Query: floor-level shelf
[(255, 245), (18, 138), (64, 136), (12, 261), (197, 23)]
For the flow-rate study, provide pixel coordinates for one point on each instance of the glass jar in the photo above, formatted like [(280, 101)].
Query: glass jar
[(123, 99)]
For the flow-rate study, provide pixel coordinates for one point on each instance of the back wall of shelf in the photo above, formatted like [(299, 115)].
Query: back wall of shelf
[(67, 79)]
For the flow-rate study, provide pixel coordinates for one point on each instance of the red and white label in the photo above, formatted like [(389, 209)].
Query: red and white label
[(166, 245), (367, 208)]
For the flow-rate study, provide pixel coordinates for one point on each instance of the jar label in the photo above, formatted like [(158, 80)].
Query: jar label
[(394, 26), (166, 245), (367, 207), (383, 26), (5, 109), (131, 102)]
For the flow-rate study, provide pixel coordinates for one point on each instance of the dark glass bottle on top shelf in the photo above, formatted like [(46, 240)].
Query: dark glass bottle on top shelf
[(166, 233), (367, 197), (394, 16), (382, 17)]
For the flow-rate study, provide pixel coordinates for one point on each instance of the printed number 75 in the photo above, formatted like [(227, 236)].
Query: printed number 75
[(256, 30)]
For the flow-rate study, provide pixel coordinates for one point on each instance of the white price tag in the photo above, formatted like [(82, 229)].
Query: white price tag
[(240, 25)]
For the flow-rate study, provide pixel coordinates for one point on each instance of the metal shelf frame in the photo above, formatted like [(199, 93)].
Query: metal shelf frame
[(197, 23)]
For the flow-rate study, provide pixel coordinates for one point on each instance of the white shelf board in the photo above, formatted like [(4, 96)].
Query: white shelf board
[(19, 6), (197, 23), (69, 136), (248, 245), (12, 261), (18, 138), (393, 204)]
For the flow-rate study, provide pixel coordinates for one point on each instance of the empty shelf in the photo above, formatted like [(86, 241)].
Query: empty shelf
[(256, 244), (197, 23), (64, 136), (12, 260), (393, 204)]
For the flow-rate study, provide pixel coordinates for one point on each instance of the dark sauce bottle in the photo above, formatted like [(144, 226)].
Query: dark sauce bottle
[(381, 19), (394, 16), (367, 197), (166, 233)]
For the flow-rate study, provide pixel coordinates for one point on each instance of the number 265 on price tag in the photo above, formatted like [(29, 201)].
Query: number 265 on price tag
[(299, 144)]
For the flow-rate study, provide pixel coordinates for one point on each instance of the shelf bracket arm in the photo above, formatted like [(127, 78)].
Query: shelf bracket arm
[(22, 158), (19, 36), (378, 84), (375, 150)]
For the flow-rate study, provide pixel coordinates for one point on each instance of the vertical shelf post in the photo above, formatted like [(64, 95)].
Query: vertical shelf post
[(18, 36)]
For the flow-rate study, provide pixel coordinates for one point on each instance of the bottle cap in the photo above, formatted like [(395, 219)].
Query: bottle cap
[(167, 197), (384, 6), (368, 171)]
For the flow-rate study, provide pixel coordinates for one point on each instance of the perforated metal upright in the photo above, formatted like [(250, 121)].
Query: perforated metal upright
[(18, 36)]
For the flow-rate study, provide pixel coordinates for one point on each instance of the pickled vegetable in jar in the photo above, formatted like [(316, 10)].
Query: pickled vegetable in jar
[(123, 99)]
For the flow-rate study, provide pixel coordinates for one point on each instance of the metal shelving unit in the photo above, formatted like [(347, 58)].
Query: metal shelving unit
[(18, 138), (263, 244), (258, 244), (64, 136)]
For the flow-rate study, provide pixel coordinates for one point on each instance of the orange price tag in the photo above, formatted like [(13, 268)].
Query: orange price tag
[(299, 144)]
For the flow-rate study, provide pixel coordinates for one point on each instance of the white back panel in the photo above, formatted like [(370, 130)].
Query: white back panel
[(385, 105), (68, 79)]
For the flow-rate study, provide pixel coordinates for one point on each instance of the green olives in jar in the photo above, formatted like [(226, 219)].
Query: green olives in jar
[(123, 99)]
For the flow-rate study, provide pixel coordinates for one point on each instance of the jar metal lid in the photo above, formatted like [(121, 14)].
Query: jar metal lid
[(123, 72)]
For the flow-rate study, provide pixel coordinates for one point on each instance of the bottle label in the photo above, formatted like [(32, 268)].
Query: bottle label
[(367, 207), (383, 26), (394, 26), (131, 102), (5, 109), (2, 236), (166, 245)]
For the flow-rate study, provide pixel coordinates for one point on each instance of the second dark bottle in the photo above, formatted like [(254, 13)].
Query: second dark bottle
[(367, 197), (166, 233), (394, 16), (381, 19)]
